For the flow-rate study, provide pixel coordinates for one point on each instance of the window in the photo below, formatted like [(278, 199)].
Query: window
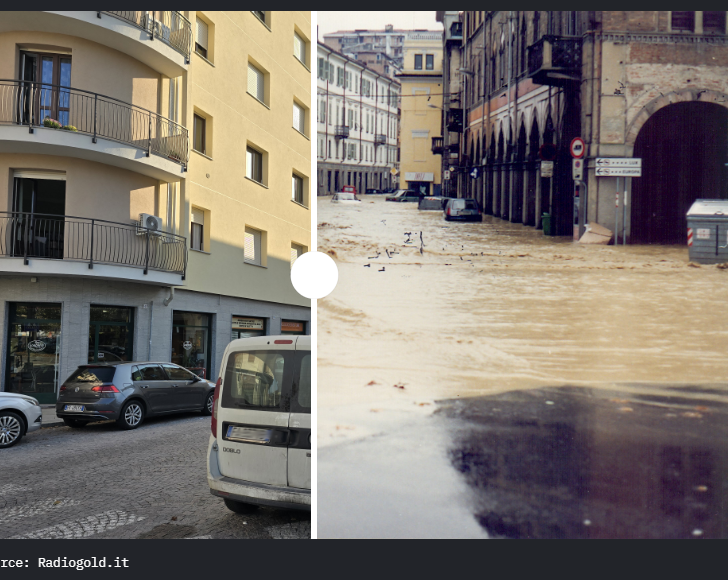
[(256, 83), (197, 229), (299, 48), (199, 130), (296, 251), (252, 246), (322, 72), (299, 118), (297, 189), (683, 21), (264, 17), (255, 379), (201, 39), (430, 62), (254, 165), (418, 62), (714, 22)]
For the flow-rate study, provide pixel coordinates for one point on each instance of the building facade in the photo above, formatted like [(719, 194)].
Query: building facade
[(136, 222), (365, 44), (422, 100), (647, 85), (357, 125)]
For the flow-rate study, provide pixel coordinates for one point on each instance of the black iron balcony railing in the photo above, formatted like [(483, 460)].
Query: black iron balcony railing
[(437, 146), (341, 131), (380, 139), (60, 237), (168, 26), (31, 103), (555, 60)]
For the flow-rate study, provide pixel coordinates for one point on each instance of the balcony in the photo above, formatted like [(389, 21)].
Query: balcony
[(456, 31), (555, 60), (162, 39), (62, 245), (380, 139), (455, 120), (437, 146), (106, 130), (341, 132)]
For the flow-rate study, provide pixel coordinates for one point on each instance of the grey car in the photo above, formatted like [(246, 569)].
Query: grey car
[(127, 392)]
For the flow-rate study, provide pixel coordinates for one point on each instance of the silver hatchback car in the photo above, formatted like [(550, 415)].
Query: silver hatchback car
[(127, 392)]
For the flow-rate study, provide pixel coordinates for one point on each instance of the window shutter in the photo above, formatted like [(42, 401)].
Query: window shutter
[(256, 86), (249, 245), (198, 216), (298, 118), (299, 48), (296, 251), (321, 69), (202, 33)]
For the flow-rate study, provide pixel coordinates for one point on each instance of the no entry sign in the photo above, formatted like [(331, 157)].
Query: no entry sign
[(577, 148)]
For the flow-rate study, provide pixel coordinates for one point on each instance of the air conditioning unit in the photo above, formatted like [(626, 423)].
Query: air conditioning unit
[(149, 223)]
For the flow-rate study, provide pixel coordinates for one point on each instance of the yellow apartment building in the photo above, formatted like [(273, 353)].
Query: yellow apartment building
[(421, 116), (154, 187)]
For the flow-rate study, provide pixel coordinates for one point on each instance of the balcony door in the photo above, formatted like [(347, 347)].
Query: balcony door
[(45, 92), (38, 218)]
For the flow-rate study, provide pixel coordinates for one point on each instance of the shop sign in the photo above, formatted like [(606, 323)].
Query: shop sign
[(291, 326), (248, 323), (419, 176), (36, 346)]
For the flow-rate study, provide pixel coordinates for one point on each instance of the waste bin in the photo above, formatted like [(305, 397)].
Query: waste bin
[(708, 231), (546, 223)]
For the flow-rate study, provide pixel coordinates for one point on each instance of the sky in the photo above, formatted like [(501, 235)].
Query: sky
[(333, 21)]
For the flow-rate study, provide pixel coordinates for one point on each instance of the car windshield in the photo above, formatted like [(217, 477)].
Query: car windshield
[(470, 204), (457, 204), (345, 196)]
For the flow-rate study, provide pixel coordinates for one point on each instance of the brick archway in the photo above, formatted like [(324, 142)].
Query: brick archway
[(680, 96)]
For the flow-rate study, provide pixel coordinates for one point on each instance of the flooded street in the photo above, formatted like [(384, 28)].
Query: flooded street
[(424, 336)]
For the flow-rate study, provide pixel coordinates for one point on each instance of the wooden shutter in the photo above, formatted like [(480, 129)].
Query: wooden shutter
[(256, 86)]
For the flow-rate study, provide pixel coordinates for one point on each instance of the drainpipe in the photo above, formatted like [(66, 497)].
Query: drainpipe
[(169, 298), (151, 319)]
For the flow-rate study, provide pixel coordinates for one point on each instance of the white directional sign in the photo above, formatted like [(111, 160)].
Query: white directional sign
[(618, 167)]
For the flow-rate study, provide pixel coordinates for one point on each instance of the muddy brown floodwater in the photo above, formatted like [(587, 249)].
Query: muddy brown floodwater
[(427, 310)]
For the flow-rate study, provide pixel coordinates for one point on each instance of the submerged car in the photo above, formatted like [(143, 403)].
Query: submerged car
[(434, 203), (349, 189), (19, 415), (127, 392), (466, 209), (345, 197), (405, 195)]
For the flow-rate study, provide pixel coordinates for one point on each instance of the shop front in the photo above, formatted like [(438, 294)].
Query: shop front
[(111, 334), (419, 181), (245, 327), (34, 346), (293, 327), (192, 341)]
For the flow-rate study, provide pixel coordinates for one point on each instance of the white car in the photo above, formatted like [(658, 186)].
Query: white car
[(345, 197), (19, 414), (260, 449)]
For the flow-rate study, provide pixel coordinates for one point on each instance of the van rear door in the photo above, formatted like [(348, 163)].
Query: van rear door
[(253, 414), (299, 450)]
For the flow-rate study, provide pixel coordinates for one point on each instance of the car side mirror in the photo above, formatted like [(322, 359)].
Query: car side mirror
[(196, 379)]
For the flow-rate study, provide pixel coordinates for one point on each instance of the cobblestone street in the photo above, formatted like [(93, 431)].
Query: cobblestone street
[(101, 482)]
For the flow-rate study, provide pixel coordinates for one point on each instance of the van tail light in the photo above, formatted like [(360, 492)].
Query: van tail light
[(63, 388), (105, 389), (448, 211), (213, 422)]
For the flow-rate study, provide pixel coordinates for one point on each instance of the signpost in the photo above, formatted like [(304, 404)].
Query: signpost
[(577, 169)]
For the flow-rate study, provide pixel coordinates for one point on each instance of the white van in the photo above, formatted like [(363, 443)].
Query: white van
[(260, 448)]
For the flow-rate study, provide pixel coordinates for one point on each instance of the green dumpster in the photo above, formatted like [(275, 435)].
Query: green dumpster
[(546, 224)]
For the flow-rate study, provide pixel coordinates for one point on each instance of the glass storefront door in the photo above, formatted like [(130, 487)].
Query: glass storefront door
[(34, 346), (192, 341), (111, 334)]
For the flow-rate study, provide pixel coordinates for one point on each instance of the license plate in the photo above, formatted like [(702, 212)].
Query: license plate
[(78, 408), (248, 435)]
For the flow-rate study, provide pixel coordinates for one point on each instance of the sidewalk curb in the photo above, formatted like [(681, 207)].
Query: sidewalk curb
[(49, 416)]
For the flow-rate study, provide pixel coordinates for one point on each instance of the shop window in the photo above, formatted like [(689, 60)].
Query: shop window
[(246, 327)]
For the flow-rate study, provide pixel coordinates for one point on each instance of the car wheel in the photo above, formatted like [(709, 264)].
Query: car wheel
[(75, 423), (131, 416), (11, 429), (207, 409), (239, 507)]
